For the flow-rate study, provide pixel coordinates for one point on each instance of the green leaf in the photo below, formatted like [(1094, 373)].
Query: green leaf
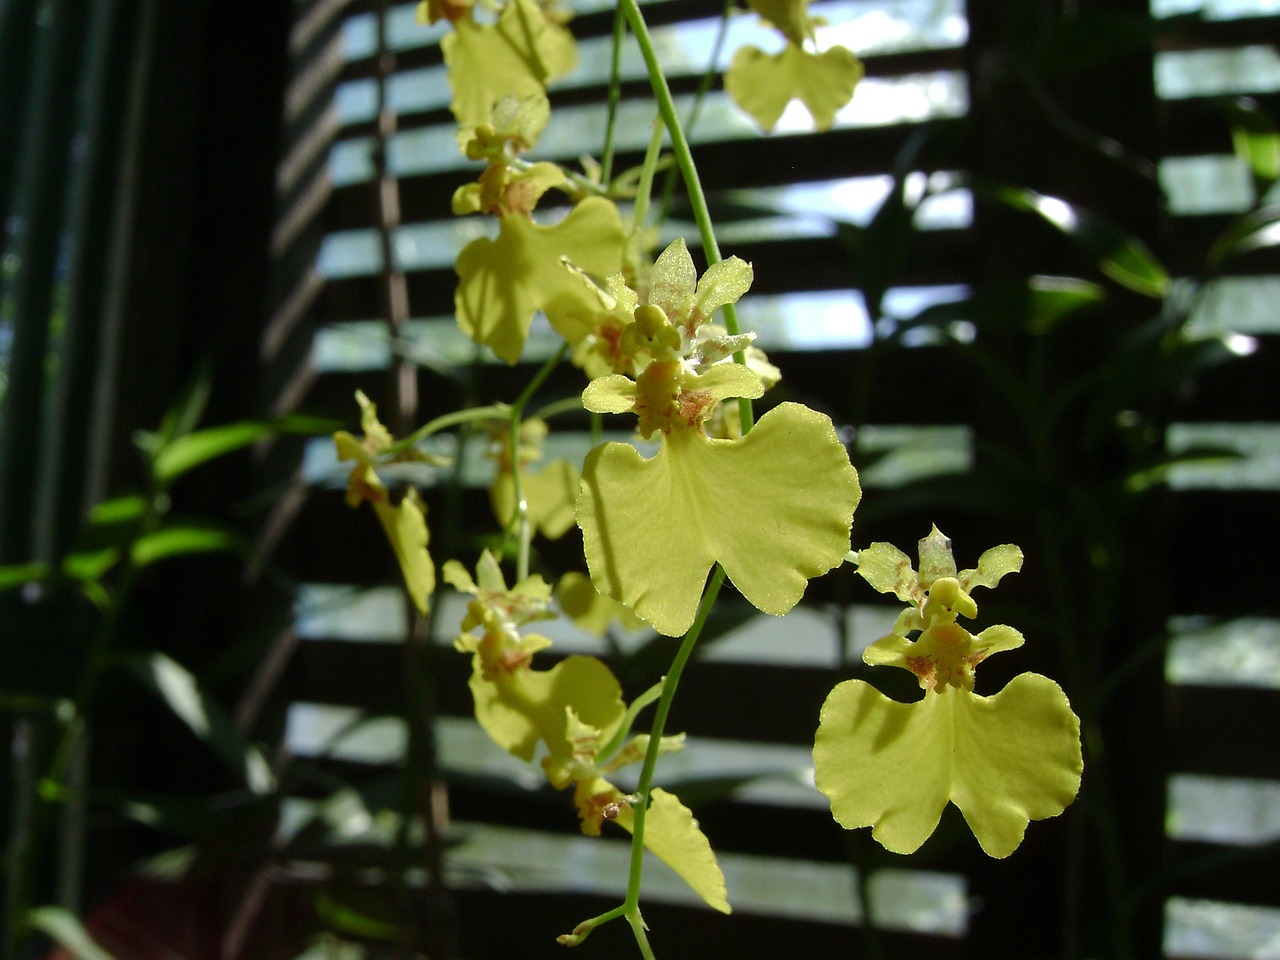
[(1257, 230), (763, 84), (184, 538), (1037, 305), (503, 282), (1003, 760), (1256, 141), (118, 512), (673, 835), (339, 916), (1118, 254), (185, 412), (177, 687), (514, 57), (20, 574), (1199, 456), (192, 449), (773, 507), (67, 932)]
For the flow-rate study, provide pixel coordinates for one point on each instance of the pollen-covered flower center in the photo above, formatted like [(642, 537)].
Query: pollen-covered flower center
[(652, 333), (944, 657), (657, 396)]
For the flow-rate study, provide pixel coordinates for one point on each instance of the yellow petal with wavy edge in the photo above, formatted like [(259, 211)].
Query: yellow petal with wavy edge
[(1003, 760), (519, 708), (590, 609), (773, 507), (515, 56), (673, 835), (763, 84), (503, 282), (406, 528)]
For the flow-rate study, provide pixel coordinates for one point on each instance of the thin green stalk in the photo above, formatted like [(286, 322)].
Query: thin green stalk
[(699, 99), (659, 725), (457, 418), (630, 907), (554, 409), (679, 145), (525, 534), (639, 929), (644, 189), (629, 719), (688, 170), (614, 95)]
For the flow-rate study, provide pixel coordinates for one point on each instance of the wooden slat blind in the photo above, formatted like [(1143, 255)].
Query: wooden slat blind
[(750, 704)]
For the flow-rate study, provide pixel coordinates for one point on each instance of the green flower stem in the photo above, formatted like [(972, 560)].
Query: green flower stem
[(583, 930), (688, 170), (457, 418), (699, 100), (639, 809), (630, 907), (567, 405), (638, 928), (629, 719), (644, 189), (615, 93), (516, 416)]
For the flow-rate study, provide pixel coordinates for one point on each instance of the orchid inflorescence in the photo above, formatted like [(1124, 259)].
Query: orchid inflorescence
[(768, 505)]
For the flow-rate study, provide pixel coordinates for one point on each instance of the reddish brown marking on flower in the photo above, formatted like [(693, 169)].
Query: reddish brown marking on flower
[(496, 658), (610, 335), (360, 489), (592, 809), (521, 196), (925, 668), (656, 397), (694, 405)]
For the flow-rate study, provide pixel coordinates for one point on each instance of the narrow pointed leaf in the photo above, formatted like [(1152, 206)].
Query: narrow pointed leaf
[(190, 450), (66, 930), (1256, 230), (1118, 254), (1256, 140), (178, 688), (182, 539), (17, 575)]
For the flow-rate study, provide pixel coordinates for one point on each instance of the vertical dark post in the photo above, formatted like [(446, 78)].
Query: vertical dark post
[(32, 298), (423, 792)]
